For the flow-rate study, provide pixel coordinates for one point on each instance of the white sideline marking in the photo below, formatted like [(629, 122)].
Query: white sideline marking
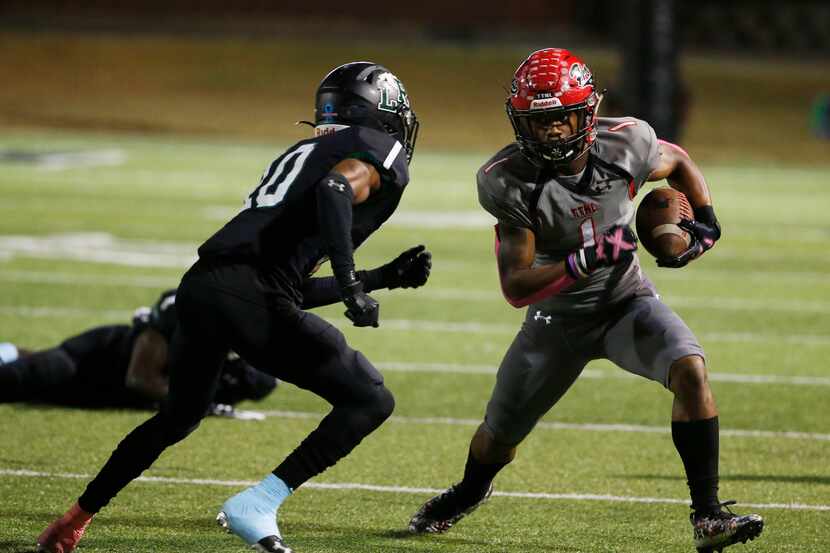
[(409, 490), (458, 368), (408, 325), (594, 427)]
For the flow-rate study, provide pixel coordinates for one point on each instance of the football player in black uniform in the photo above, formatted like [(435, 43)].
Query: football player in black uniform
[(119, 366), (319, 200)]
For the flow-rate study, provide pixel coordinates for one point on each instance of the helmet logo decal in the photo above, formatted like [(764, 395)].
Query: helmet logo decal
[(393, 95), (580, 73), (545, 103), (328, 114)]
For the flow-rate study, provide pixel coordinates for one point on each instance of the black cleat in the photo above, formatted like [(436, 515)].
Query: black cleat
[(440, 513), (721, 528), (271, 544)]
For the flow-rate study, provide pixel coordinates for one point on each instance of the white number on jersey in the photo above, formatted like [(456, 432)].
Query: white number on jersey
[(588, 232), (272, 190)]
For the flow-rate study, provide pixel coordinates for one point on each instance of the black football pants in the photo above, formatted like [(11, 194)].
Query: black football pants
[(223, 307)]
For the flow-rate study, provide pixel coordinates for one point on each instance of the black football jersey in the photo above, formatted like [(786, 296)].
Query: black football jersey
[(278, 230)]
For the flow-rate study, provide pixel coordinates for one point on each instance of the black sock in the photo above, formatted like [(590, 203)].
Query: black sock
[(477, 478), (697, 444)]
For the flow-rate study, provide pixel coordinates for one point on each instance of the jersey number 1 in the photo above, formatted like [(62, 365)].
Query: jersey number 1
[(279, 177), (588, 232)]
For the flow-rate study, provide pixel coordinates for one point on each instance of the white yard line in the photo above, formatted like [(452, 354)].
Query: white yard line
[(35, 312), (428, 293), (462, 219), (25, 473), (599, 374), (63, 160), (408, 325), (431, 293), (480, 219), (80, 279), (97, 247), (593, 427)]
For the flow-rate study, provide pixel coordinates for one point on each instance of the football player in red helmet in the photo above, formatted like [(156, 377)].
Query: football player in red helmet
[(553, 107), (563, 194)]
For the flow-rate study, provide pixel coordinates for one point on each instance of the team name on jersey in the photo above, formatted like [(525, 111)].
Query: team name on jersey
[(584, 210)]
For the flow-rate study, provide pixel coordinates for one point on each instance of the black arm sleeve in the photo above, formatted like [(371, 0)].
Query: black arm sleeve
[(325, 290), (334, 216)]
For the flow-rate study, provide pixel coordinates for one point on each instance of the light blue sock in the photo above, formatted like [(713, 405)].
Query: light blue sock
[(252, 513), (8, 352), (274, 487)]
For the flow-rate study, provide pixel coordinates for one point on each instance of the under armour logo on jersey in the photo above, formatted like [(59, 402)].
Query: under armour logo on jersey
[(338, 185), (539, 317)]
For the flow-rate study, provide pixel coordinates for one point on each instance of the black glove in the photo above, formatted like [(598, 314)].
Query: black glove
[(361, 308), (408, 270), (704, 231), (615, 246)]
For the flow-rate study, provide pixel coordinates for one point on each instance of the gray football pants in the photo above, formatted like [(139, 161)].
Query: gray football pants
[(642, 336)]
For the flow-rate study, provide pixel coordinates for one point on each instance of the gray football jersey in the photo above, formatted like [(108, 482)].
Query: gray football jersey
[(565, 213)]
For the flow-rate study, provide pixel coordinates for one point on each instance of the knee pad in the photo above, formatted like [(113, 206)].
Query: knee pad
[(383, 404), (379, 399)]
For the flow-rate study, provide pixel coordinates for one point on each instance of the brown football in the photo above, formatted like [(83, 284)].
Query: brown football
[(657, 219)]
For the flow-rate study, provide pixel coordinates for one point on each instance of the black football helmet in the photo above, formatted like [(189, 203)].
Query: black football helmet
[(366, 94)]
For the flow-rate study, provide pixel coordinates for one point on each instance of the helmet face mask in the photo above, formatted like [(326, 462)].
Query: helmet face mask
[(366, 94), (550, 85)]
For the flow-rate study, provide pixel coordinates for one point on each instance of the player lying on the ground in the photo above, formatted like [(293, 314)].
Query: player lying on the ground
[(563, 194), (250, 291), (120, 366)]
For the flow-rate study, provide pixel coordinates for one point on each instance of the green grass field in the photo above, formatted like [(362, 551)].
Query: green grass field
[(82, 245)]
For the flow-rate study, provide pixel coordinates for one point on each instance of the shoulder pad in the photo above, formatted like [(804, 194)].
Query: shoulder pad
[(505, 182), (383, 151), (628, 143)]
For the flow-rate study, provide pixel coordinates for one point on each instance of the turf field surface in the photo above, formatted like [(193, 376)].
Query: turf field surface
[(86, 239)]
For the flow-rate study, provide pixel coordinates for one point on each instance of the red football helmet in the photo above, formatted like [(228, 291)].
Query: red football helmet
[(552, 83)]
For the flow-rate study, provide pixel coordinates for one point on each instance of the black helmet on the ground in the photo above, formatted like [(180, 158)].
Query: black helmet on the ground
[(367, 94)]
